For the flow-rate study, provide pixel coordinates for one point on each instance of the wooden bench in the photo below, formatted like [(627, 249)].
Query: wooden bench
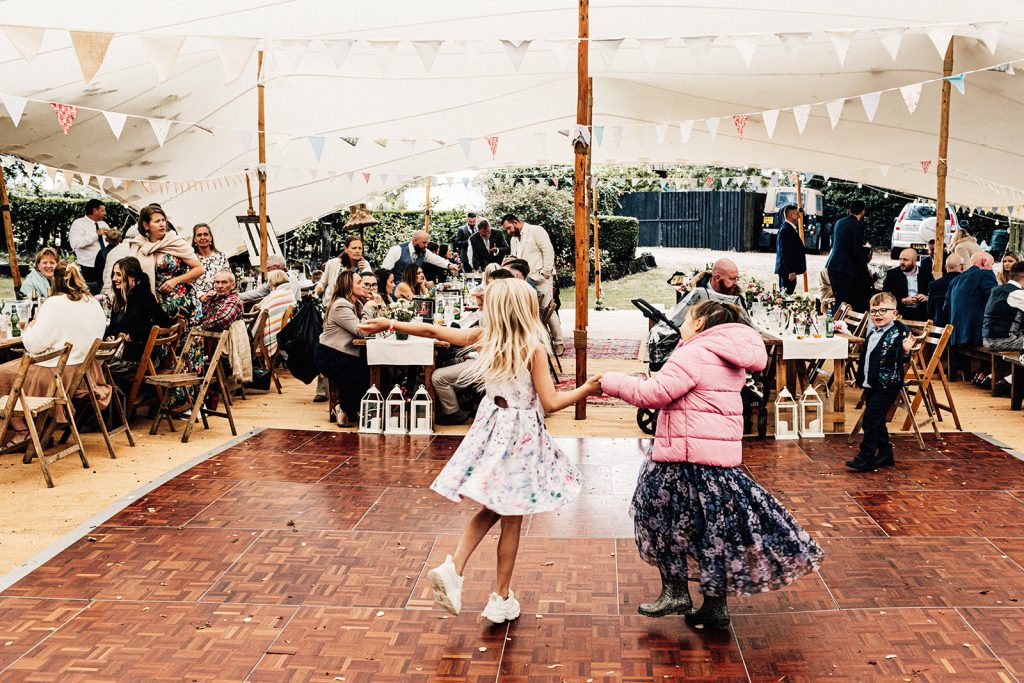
[(993, 358)]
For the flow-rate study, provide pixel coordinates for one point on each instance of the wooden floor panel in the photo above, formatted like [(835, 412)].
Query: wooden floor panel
[(302, 556)]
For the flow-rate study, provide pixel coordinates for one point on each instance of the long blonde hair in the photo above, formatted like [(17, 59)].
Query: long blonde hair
[(511, 332)]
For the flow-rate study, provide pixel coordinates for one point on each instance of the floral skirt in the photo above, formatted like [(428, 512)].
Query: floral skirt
[(741, 539)]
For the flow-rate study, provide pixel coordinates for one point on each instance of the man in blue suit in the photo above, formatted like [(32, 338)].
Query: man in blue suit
[(937, 290), (966, 300), (790, 259), (845, 265)]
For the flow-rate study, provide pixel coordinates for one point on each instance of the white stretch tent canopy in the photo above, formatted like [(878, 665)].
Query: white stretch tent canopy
[(418, 88)]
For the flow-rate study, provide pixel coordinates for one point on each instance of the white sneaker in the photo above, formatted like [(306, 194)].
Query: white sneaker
[(447, 585), (501, 609)]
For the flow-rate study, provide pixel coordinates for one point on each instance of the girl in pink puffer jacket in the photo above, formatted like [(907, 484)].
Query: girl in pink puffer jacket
[(692, 499)]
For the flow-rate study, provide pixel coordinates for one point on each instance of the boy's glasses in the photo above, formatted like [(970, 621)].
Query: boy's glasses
[(880, 311)]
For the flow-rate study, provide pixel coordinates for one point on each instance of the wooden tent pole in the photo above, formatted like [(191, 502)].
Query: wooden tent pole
[(800, 219), (597, 245), (426, 216), (5, 208), (248, 190), (941, 167), (581, 222), (261, 171)]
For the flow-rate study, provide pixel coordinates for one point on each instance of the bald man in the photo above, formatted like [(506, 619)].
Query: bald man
[(400, 256), (723, 277), (909, 284), (966, 300), (937, 290)]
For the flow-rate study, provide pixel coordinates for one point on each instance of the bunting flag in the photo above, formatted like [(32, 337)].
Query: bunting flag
[(708, 182), (771, 117), (235, 54), (163, 52), (26, 40), (564, 51), (427, 51), (66, 114), (911, 96), (555, 180), (660, 131), (746, 45), (835, 110), (685, 130), (801, 113), (465, 144), (492, 142), (339, 50), (870, 103), (516, 50), (90, 48), (15, 107), (607, 49), (791, 43), (891, 38), (471, 51), (381, 142), (316, 142), (989, 33), (841, 39), (651, 48), (940, 35), (712, 125), (116, 122), (925, 165), (161, 127), (958, 82), (598, 135), (366, 177), (740, 121), (384, 50), (245, 136), (351, 141), (615, 134), (700, 47)]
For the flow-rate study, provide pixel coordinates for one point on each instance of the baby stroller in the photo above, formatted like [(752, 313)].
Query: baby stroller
[(663, 340)]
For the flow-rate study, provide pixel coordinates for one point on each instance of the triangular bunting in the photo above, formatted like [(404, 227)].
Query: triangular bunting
[(90, 48), (925, 165), (163, 52), (465, 183), (516, 50), (958, 81), (841, 39), (940, 37), (281, 141), (384, 50), (746, 45), (660, 131), (471, 51), (700, 47), (316, 142), (607, 49), (295, 49), (740, 121), (891, 39), (66, 114), (383, 178), (339, 50), (911, 96), (427, 51), (801, 113), (651, 48), (884, 170), (351, 141), (116, 122), (870, 103), (492, 142), (791, 43), (235, 54), (245, 136), (26, 40), (161, 127), (564, 52), (366, 177), (712, 124), (685, 131), (15, 107), (410, 146), (465, 144), (615, 135), (989, 33), (598, 135), (381, 142), (771, 117)]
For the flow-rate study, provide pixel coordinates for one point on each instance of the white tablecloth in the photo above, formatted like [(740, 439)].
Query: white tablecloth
[(810, 348), (391, 351)]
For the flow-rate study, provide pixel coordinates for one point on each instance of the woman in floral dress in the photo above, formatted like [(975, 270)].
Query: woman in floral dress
[(212, 260)]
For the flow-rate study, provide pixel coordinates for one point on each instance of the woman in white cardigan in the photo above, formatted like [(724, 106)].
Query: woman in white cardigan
[(69, 315)]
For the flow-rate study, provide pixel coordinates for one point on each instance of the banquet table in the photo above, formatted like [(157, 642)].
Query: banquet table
[(395, 352)]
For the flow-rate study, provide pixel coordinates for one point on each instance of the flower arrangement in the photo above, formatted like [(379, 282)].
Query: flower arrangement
[(753, 291), (400, 310)]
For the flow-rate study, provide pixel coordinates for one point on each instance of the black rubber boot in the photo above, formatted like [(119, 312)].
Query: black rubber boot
[(674, 599), (714, 613)]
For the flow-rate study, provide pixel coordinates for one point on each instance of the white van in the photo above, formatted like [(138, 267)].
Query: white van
[(915, 227)]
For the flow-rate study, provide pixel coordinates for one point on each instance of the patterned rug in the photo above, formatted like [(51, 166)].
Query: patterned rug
[(567, 381), (625, 349)]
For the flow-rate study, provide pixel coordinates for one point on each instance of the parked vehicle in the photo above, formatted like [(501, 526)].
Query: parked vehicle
[(915, 226), (817, 233)]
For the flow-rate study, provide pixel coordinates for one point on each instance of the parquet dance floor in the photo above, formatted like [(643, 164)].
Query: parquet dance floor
[(300, 555)]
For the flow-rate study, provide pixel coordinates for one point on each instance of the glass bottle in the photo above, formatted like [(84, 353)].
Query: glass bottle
[(15, 329)]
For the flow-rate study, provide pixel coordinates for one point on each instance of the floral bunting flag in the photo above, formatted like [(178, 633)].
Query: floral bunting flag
[(492, 142), (740, 121), (66, 114), (366, 177), (925, 165)]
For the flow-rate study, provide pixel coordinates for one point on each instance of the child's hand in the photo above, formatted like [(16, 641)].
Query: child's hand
[(593, 386), (908, 344)]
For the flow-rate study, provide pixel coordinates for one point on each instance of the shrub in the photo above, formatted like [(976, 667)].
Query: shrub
[(619, 236)]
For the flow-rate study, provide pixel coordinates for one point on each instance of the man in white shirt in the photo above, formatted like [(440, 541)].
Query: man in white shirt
[(533, 244), (86, 238), (400, 256)]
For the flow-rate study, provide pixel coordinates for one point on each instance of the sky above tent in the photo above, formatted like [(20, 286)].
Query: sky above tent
[(362, 98)]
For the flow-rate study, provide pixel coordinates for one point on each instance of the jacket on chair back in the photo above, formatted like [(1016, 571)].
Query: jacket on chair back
[(698, 393)]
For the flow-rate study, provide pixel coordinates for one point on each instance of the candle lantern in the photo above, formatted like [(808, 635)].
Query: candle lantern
[(371, 412), (811, 412), (786, 416), (421, 413), (394, 412)]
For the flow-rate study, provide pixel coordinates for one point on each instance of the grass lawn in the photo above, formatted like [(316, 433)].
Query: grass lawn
[(6, 288), (617, 294)]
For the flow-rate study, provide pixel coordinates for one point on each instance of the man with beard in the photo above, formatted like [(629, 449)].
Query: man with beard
[(415, 251), (532, 244), (909, 284), (722, 278)]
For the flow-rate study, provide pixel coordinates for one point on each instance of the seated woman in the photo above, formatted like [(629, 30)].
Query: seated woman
[(385, 284), (436, 273), (413, 283), (69, 315), (277, 303), (40, 279), (337, 358), (134, 312)]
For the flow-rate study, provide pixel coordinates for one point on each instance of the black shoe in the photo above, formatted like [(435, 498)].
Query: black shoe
[(319, 399), (862, 463), (452, 418), (884, 460), (714, 613), (674, 599)]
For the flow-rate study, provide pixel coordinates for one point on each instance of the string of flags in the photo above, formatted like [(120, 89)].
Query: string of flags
[(235, 52), (910, 95)]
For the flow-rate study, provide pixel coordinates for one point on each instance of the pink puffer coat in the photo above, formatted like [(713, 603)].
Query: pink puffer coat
[(698, 393)]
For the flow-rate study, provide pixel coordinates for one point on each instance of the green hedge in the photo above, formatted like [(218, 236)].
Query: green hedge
[(44, 221), (619, 236)]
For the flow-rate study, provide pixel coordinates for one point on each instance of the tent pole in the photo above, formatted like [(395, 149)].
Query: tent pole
[(261, 171), (592, 185), (597, 247), (940, 167), (800, 219), (248, 190), (579, 188), (5, 208), (426, 216)]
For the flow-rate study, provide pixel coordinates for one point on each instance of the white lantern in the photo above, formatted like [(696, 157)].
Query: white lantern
[(421, 413), (371, 412), (811, 413), (786, 416), (394, 412)]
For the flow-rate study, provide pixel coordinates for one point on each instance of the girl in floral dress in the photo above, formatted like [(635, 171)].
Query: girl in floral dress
[(507, 462), (693, 501)]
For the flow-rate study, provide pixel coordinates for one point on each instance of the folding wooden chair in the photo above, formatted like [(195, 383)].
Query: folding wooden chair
[(16, 403), (214, 374), (545, 316), (101, 354), (857, 324), (260, 354), (817, 373), (159, 338), (929, 364)]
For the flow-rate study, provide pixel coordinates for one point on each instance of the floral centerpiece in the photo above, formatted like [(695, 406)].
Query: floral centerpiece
[(752, 290), (802, 313), (400, 311)]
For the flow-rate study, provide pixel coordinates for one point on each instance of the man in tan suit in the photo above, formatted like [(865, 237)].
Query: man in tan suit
[(532, 244)]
